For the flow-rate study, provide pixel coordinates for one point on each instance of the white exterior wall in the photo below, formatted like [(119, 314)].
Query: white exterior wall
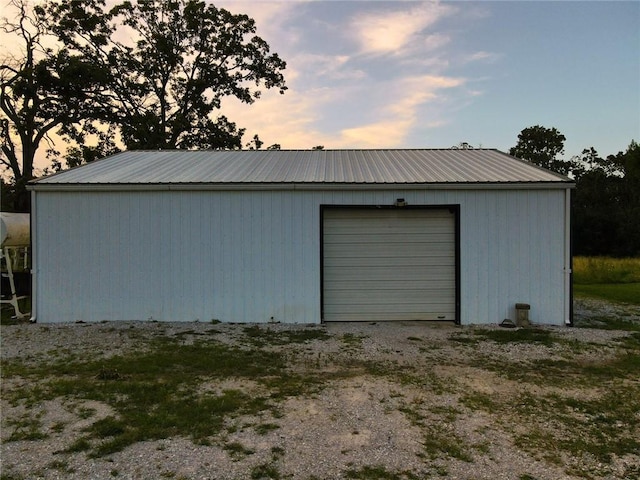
[(254, 256)]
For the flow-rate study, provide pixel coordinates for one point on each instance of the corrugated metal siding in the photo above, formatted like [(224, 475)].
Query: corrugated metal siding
[(250, 256), (303, 166)]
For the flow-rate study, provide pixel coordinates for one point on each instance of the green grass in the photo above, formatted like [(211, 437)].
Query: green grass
[(155, 392), (599, 270), (378, 472), (612, 292), (611, 279), (260, 336), (521, 335)]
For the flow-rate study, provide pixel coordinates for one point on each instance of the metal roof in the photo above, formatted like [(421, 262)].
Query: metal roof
[(315, 167)]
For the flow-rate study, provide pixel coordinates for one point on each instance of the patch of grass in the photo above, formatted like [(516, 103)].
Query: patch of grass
[(156, 395), (260, 335), (10, 476), (609, 323), (603, 427), (478, 401), (520, 335), (266, 470), (265, 428), (463, 339), (605, 270), (85, 412), (439, 437), (612, 292), (58, 427), (60, 465), (79, 445), (26, 429), (237, 451), (378, 472), (107, 427), (440, 440), (352, 340), (572, 372), (269, 469)]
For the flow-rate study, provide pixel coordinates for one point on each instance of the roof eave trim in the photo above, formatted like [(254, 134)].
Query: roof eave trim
[(140, 187)]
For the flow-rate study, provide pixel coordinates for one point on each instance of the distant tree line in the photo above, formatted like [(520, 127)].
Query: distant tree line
[(605, 204)]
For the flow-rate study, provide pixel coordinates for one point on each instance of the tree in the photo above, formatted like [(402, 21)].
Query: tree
[(39, 92), (187, 56), (606, 203), (541, 146)]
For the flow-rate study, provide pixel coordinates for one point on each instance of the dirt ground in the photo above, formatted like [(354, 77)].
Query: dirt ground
[(380, 400)]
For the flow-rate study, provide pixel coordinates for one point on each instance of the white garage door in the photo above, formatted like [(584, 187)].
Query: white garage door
[(389, 264)]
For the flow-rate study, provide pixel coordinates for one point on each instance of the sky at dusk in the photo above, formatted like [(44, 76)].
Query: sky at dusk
[(394, 74), (374, 74)]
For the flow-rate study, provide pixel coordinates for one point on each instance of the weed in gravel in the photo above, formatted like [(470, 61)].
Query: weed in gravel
[(602, 427), (378, 472), (58, 427), (270, 469), (10, 475), (61, 466), (261, 336), (266, 470), (265, 428), (464, 339), (26, 428), (448, 413), (237, 451), (439, 436), (478, 401), (520, 335), (85, 412), (352, 341), (78, 445)]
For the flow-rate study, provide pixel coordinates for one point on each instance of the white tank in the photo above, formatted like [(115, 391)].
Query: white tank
[(14, 229)]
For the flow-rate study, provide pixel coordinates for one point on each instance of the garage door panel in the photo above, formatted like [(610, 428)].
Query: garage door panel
[(397, 238), (423, 261), (351, 250), (350, 214), (381, 226), (391, 297), (412, 272), (397, 316), (389, 264), (386, 284), (408, 311)]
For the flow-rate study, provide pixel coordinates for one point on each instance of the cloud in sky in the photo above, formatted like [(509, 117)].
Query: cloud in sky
[(374, 74), (399, 31), (358, 77)]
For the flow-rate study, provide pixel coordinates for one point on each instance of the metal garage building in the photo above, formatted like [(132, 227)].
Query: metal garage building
[(302, 237)]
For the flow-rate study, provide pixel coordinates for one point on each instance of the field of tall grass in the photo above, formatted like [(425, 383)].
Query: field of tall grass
[(590, 270), (613, 279)]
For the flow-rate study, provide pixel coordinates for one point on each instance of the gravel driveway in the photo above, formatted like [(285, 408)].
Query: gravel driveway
[(373, 401)]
